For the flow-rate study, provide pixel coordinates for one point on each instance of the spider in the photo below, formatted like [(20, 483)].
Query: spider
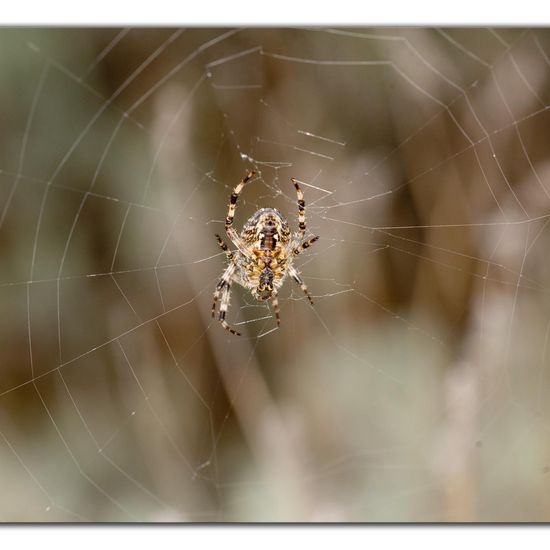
[(265, 253)]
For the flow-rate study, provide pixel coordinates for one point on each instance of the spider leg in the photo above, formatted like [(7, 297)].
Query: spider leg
[(276, 310), (306, 244), (229, 229), (224, 281), (224, 247), (273, 297), (224, 304), (296, 276), (301, 209)]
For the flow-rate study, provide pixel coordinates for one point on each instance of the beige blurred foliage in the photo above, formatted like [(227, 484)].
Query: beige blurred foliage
[(416, 388)]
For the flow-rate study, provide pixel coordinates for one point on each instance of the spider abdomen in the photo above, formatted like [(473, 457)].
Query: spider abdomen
[(266, 228)]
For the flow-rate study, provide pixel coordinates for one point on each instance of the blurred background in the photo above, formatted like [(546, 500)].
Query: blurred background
[(416, 388)]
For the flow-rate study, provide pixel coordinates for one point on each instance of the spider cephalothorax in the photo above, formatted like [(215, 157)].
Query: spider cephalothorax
[(265, 252)]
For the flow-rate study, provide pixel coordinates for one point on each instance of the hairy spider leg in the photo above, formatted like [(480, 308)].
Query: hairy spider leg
[(293, 272), (229, 229), (306, 244), (224, 304), (273, 297), (224, 280), (225, 248), (275, 302), (301, 209)]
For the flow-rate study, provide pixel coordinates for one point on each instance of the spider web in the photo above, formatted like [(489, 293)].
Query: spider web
[(414, 390)]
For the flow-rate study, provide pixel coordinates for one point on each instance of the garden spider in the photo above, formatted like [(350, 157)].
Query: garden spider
[(265, 254)]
